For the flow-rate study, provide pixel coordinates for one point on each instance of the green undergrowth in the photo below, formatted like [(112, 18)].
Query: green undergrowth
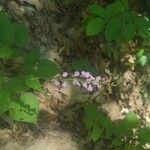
[(124, 134), (119, 25), (21, 72)]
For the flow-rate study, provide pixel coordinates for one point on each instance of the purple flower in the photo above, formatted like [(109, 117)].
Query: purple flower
[(85, 74), (76, 74), (65, 74), (90, 88)]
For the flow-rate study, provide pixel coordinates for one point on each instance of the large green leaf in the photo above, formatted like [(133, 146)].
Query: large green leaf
[(143, 60), (46, 69), (94, 26), (129, 31), (116, 8), (4, 101), (21, 35), (26, 109), (113, 29), (97, 10), (6, 30)]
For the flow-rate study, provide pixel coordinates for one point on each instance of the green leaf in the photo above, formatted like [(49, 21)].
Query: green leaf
[(140, 53), (113, 29), (143, 60), (46, 69), (96, 133), (6, 30), (33, 82), (94, 26), (116, 8), (26, 109), (129, 31), (21, 35), (4, 101), (97, 10), (144, 135)]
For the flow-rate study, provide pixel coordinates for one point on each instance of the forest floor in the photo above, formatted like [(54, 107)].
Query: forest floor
[(56, 30)]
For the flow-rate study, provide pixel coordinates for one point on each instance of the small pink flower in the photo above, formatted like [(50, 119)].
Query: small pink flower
[(82, 73), (65, 74), (85, 74), (90, 88), (76, 74)]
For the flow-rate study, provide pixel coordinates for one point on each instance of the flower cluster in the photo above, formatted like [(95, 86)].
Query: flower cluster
[(84, 80)]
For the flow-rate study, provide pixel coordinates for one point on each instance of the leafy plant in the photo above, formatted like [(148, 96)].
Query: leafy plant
[(118, 24), (16, 96), (116, 20), (125, 133)]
